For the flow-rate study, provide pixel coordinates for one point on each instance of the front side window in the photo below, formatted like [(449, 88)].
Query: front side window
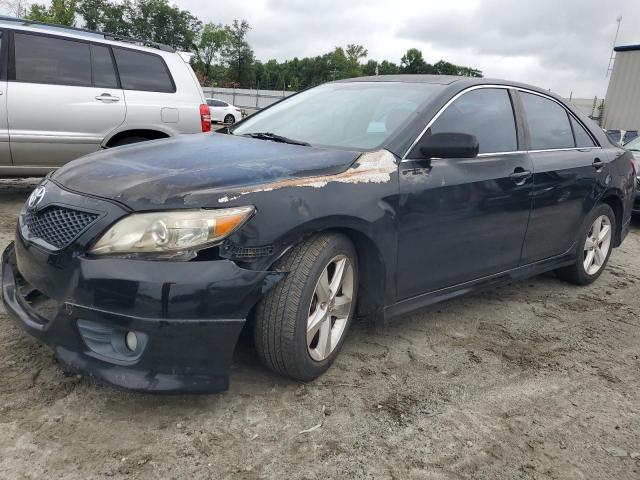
[(549, 126), (42, 59), (142, 71), (357, 115), (486, 113)]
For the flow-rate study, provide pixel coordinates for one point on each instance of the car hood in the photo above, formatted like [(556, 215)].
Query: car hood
[(194, 170)]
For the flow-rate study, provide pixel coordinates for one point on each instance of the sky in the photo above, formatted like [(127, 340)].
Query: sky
[(562, 45)]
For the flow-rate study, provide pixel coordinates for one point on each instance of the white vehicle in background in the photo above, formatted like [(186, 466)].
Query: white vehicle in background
[(66, 92), (223, 112)]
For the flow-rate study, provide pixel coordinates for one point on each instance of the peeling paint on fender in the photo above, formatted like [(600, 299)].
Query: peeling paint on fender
[(370, 167)]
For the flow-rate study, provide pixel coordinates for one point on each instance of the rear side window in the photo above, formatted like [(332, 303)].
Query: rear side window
[(104, 75), (486, 113), (583, 139), (143, 71), (41, 59), (549, 126), (218, 103)]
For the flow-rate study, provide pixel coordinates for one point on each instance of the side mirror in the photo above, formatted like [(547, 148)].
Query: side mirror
[(449, 145)]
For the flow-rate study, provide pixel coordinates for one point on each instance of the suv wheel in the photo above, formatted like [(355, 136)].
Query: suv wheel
[(301, 323), (128, 141), (596, 242)]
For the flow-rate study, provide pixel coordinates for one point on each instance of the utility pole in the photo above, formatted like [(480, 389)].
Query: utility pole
[(613, 52)]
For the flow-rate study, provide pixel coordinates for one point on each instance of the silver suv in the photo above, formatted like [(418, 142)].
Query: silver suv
[(68, 92)]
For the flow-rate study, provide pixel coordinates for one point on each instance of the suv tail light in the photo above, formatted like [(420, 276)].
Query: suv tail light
[(205, 117)]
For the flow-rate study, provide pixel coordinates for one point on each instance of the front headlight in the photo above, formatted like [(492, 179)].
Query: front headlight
[(170, 235)]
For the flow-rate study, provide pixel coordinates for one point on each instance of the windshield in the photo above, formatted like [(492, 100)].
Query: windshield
[(358, 115), (633, 145)]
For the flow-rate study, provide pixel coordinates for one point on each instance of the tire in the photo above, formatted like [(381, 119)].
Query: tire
[(281, 320), (578, 273), (229, 119), (128, 141)]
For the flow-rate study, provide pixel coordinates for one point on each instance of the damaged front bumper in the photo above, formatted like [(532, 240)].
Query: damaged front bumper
[(141, 325)]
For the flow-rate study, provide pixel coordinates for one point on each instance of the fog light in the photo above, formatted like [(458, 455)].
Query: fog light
[(132, 341)]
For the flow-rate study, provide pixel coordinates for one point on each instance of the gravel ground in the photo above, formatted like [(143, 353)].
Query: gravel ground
[(537, 380)]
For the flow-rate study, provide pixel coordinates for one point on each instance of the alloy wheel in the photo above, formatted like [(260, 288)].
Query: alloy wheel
[(330, 308), (596, 247)]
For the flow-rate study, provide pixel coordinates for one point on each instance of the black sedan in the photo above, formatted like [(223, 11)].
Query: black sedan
[(634, 147), (371, 197)]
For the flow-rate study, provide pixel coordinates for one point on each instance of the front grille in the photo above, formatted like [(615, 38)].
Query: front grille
[(246, 253), (57, 226)]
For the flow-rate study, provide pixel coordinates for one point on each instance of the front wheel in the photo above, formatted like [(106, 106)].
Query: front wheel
[(596, 244), (301, 323)]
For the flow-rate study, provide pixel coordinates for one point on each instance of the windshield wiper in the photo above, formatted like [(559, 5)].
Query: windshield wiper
[(276, 138)]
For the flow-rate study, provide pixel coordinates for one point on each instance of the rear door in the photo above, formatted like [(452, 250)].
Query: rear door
[(63, 99), (5, 152), (461, 219), (568, 166)]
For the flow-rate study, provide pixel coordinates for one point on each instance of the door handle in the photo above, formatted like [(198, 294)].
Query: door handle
[(520, 175), (106, 97), (597, 163)]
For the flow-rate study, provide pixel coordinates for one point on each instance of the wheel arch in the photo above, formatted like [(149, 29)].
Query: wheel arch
[(374, 284), (614, 200), (151, 134)]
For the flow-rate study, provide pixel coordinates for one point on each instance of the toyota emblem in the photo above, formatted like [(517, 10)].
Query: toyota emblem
[(36, 197)]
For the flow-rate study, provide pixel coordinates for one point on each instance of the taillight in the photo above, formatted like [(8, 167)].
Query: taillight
[(205, 117)]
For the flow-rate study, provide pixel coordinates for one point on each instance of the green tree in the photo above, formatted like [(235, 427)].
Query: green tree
[(161, 22), (388, 68), (105, 16), (62, 12), (238, 55), (413, 62), (209, 46)]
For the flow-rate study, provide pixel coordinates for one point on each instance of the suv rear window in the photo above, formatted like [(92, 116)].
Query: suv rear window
[(143, 71), (41, 59), (104, 75)]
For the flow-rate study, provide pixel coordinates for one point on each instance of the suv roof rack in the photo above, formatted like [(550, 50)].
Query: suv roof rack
[(106, 36)]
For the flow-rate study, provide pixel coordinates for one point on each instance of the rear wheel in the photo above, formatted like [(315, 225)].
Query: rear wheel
[(301, 323), (229, 119), (596, 246)]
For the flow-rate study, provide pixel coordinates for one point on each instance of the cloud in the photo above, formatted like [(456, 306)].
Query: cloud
[(563, 45)]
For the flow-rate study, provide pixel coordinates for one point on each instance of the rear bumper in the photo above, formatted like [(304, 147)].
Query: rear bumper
[(186, 316)]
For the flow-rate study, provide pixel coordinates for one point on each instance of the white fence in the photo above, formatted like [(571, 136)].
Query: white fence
[(246, 98)]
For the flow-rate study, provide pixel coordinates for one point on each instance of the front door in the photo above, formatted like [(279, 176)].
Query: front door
[(463, 219), (63, 99)]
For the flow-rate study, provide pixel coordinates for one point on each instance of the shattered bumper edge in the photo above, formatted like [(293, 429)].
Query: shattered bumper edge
[(178, 356)]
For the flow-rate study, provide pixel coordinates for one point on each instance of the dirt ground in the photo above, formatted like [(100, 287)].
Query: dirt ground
[(537, 380)]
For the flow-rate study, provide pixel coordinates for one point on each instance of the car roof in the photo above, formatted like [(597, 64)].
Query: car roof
[(463, 82), (83, 34)]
